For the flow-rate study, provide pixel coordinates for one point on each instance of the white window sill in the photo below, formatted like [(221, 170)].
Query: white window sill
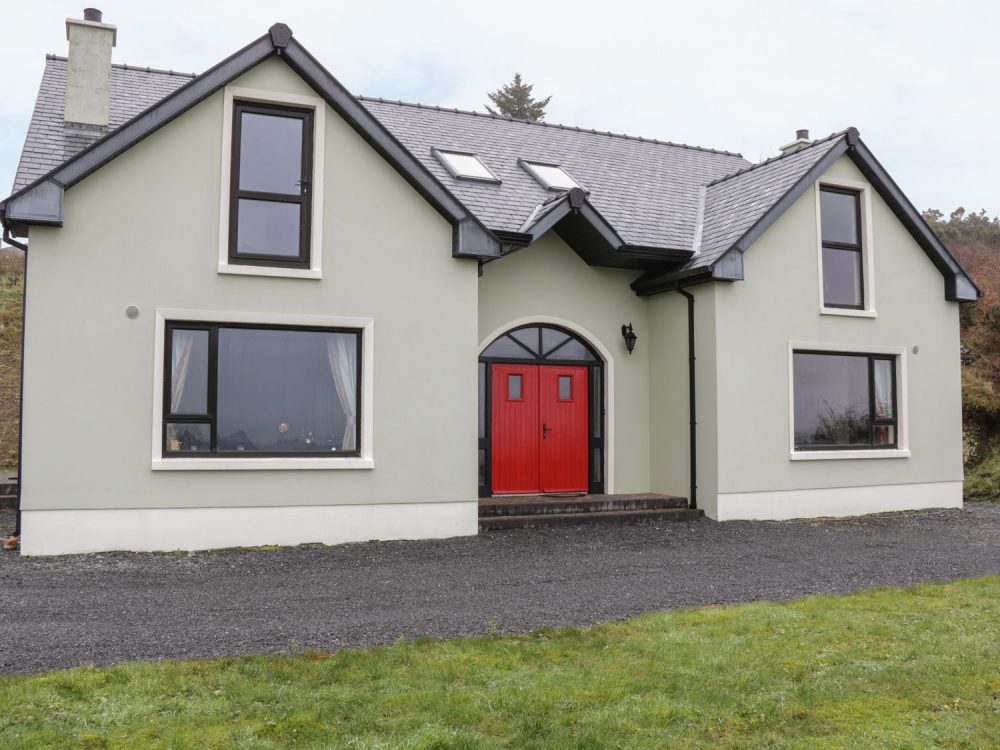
[(285, 273), (260, 464), (848, 312), (828, 455)]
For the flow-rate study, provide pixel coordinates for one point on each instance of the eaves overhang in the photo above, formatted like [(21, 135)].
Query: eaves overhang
[(41, 202)]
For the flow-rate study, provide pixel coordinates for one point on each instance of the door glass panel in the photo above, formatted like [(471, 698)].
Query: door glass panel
[(572, 350), (551, 338), (270, 153), (883, 389), (188, 372), (514, 387), (565, 388), (189, 438), (598, 464), (842, 277), (482, 400), (482, 468), (839, 217), (528, 337), (268, 228), (595, 397)]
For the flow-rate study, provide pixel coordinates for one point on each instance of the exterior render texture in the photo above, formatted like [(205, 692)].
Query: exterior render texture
[(260, 310)]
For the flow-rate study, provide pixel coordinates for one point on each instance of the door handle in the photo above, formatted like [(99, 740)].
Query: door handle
[(545, 430)]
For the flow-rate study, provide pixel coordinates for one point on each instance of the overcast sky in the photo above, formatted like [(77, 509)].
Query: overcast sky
[(919, 79)]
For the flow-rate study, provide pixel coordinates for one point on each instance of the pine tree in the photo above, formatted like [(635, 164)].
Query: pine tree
[(515, 100)]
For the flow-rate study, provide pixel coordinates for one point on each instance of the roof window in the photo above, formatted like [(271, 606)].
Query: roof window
[(550, 176), (464, 165)]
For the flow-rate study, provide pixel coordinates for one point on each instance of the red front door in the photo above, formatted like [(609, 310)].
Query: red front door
[(540, 429)]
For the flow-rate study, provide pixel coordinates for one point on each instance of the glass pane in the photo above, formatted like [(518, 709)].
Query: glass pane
[(270, 153), (596, 393), (528, 337), (268, 228), (885, 434), (466, 165), (839, 217), (482, 467), (551, 338), (505, 347), (831, 399), (514, 387), (554, 177), (189, 438), (841, 277), (188, 372), (482, 400), (287, 391), (884, 387), (565, 387), (572, 350), (598, 464)]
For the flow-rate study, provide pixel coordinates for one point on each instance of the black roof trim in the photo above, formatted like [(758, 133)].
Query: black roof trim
[(41, 200)]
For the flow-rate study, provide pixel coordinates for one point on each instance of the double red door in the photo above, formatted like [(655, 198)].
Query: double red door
[(539, 429)]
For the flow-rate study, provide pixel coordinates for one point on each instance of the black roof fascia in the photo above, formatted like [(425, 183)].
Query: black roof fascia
[(653, 282), (41, 201), (472, 238), (959, 286)]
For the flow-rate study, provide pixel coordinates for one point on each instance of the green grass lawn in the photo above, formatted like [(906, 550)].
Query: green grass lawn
[(887, 668)]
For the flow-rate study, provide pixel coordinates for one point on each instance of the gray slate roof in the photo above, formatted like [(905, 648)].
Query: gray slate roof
[(50, 142), (648, 190)]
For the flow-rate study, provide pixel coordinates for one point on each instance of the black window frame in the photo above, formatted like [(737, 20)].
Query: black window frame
[(210, 417), (858, 247), (873, 421), (303, 199)]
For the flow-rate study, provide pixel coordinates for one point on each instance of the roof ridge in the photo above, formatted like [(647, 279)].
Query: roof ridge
[(558, 126), (126, 66), (773, 159)]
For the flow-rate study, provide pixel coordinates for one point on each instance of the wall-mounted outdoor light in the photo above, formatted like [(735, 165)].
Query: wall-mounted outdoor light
[(630, 338)]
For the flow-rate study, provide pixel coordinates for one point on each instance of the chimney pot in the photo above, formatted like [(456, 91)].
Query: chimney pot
[(802, 135), (92, 14)]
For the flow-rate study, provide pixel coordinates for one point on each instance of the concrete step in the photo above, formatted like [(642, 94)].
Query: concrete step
[(526, 506), (495, 523)]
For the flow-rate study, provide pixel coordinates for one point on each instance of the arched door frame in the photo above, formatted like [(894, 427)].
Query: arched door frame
[(608, 367)]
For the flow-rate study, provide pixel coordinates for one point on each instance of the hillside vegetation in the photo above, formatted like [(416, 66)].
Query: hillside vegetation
[(11, 293)]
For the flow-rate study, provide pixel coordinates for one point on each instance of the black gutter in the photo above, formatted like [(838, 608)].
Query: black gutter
[(692, 412), (20, 382)]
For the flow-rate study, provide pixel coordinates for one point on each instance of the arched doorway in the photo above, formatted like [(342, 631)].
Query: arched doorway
[(541, 413)]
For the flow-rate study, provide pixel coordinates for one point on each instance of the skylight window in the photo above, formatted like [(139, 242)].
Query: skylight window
[(551, 176), (465, 165)]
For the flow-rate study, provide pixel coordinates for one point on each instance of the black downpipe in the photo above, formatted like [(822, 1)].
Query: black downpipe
[(691, 404), (20, 383)]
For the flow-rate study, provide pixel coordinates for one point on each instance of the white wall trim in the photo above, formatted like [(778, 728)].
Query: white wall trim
[(867, 247), (230, 93), (609, 380), (365, 461), (783, 505), (902, 402), (58, 532)]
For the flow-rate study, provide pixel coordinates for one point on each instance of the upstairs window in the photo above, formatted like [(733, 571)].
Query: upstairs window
[(551, 176), (271, 185), (465, 166), (842, 248)]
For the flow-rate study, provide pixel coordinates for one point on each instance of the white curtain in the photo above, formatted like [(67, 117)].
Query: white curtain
[(342, 351), (180, 352), (883, 389)]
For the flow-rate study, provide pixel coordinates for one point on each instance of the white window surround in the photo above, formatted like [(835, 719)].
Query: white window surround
[(230, 94), (902, 421), (364, 461), (868, 261)]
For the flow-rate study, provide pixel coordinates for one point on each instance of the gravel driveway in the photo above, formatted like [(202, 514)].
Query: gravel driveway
[(107, 608)]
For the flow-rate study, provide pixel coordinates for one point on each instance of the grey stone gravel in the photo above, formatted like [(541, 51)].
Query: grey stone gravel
[(107, 608)]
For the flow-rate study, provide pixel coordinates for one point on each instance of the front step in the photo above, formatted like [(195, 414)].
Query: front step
[(527, 512)]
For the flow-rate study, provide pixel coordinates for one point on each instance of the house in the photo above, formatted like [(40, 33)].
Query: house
[(256, 307)]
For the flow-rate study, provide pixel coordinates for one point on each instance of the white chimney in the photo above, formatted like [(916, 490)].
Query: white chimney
[(88, 75), (800, 142)]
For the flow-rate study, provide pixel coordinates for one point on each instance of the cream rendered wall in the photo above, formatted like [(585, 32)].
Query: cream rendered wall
[(143, 230), (548, 279), (779, 302)]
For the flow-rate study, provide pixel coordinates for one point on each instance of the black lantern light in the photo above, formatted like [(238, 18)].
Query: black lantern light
[(630, 338)]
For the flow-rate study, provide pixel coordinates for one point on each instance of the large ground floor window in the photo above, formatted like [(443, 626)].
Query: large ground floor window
[(256, 390), (844, 401)]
